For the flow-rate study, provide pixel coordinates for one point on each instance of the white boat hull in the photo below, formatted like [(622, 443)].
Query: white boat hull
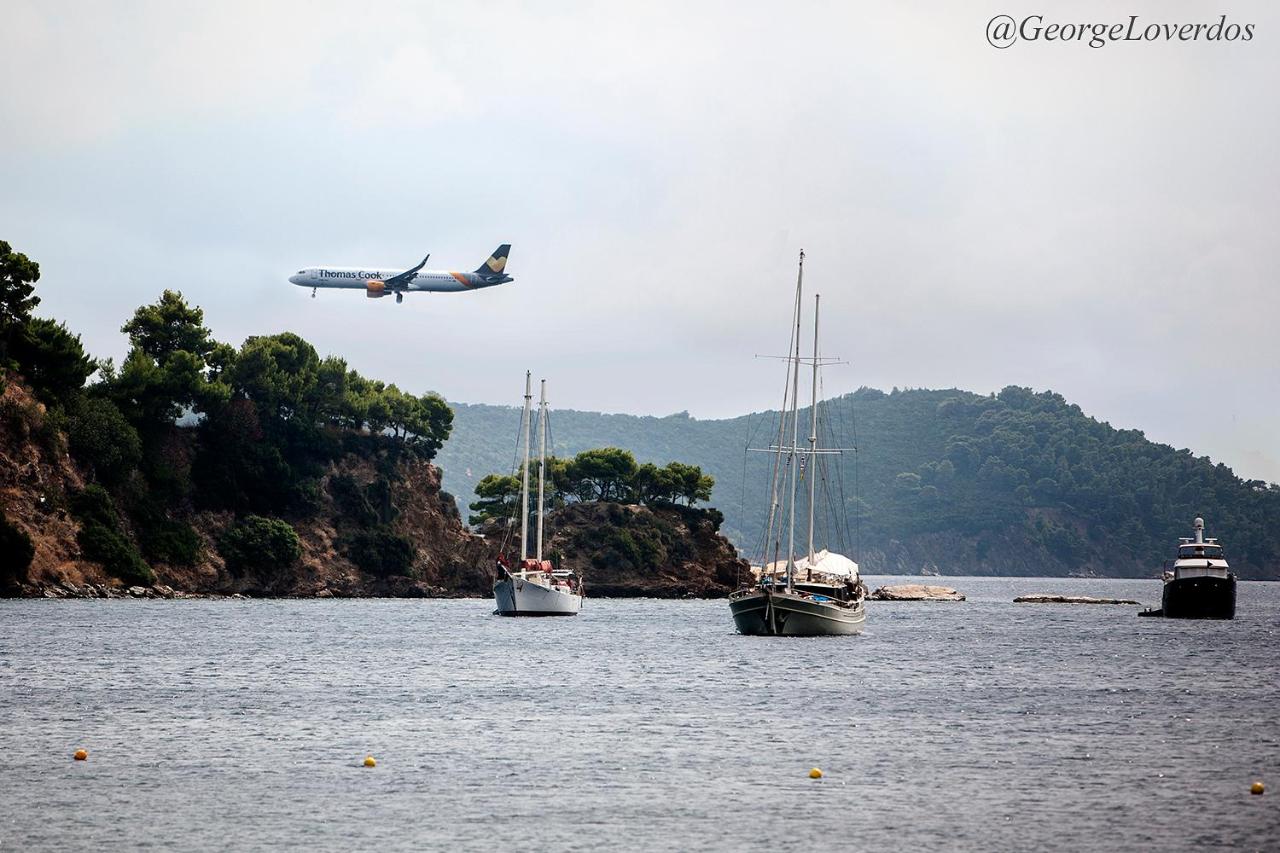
[(782, 614), (516, 596)]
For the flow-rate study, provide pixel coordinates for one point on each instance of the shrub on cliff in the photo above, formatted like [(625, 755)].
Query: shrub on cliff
[(169, 540), (115, 553), (257, 544), (449, 507), (381, 553), (93, 505), (352, 501), (103, 440), (102, 541), (16, 552), (633, 541)]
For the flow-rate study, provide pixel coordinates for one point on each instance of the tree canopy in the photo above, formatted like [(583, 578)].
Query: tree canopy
[(52, 360), (599, 474), (18, 277)]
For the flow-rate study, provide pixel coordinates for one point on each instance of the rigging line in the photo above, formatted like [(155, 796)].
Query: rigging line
[(758, 544), (831, 531), (551, 442), (841, 522), (831, 536), (823, 471), (787, 391), (742, 498), (511, 515), (857, 479)]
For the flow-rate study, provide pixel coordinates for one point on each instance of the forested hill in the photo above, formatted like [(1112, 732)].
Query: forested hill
[(947, 480)]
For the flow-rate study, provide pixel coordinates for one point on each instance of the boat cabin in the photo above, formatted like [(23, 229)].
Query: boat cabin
[(1199, 557), (842, 591)]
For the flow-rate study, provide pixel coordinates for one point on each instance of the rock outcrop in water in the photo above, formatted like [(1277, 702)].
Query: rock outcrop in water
[(1069, 599), (915, 592)]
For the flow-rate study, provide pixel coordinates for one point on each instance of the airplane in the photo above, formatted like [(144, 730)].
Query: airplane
[(378, 283)]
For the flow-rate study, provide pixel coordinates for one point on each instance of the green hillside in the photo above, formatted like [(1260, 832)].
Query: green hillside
[(1018, 483)]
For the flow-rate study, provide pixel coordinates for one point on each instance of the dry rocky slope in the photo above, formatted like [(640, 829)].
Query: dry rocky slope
[(38, 477), (621, 550), (36, 474)]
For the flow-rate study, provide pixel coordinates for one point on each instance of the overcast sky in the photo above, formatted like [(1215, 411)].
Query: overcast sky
[(1099, 222)]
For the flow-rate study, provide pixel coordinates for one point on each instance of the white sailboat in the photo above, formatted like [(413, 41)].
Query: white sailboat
[(534, 587), (819, 593)]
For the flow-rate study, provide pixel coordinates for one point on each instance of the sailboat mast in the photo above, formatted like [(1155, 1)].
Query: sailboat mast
[(542, 463), (811, 471), (775, 517), (524, 470), (795, 433)]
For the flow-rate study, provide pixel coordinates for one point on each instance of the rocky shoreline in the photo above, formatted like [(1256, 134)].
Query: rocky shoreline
[(408, 589), (92, 590), (165, 592)]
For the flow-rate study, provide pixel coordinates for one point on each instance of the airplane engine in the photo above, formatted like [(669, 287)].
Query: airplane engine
[(374, 289)]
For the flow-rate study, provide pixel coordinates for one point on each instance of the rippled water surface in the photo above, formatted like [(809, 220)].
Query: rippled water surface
[(639, 725)]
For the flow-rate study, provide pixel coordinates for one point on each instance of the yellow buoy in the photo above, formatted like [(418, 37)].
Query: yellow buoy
[(369, 761), (815, 773), (81, 754), (1257, 788)]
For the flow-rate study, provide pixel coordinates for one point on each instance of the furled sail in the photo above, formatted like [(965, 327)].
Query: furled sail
[(824, 562)]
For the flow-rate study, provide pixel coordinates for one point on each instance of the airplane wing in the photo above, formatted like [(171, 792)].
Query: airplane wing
[(402, 279)]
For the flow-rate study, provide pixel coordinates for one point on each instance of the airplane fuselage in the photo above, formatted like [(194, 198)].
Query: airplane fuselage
[(373, 280)]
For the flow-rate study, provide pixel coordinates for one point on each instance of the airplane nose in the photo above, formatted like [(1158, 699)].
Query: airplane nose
[(293, 279)]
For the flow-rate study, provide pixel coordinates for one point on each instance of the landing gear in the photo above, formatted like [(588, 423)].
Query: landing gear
[(313, 293), (399, 298)]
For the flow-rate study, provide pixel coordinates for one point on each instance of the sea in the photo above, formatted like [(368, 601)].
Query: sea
[(639, 725)]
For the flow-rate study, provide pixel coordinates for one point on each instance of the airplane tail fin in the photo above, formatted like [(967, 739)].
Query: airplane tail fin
[(497, 262)]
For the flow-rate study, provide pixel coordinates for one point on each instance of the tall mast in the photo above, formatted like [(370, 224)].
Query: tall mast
[(795, 433), (542, 462), (524, 470), (811, 471), (775, 517)]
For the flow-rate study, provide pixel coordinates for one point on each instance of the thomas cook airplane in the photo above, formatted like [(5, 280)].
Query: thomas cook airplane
[(377, 283)]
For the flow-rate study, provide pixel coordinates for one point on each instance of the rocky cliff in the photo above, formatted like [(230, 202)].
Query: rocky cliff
[(39, 481), (36, 476), (447, 560)]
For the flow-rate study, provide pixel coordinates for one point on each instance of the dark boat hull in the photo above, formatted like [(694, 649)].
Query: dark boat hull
[(783, 614), (1199, 598)]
